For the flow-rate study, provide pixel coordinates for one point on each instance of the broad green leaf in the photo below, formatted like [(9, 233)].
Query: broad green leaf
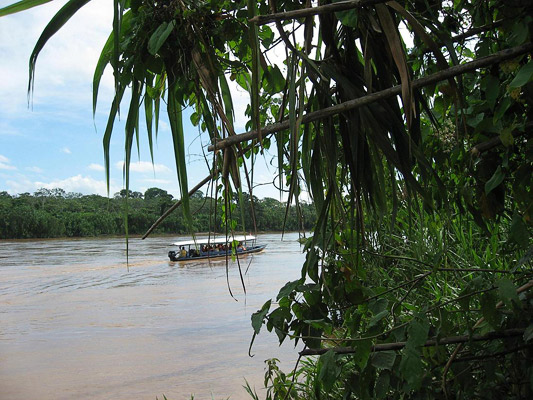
[(491, 86), (528, 333), (378, 317), (320, 324), (523, 76), (259, 316), (488, 308), (525, 259), (159, 36), (411, 368), (329, 369), (475, 120), (495, 180), (518, 232), (383, 359), (288, 288), (506, 136), (507, 292), (311, 265), (417, 332), (21, 6), (382, 384), (378, 305), (501, 109), (362, 353), (348, 18), (275, 82), (411, 365), (520, 32)]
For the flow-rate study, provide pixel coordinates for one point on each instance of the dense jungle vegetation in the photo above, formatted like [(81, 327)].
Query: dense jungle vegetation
[(410, 123), (55, 213)]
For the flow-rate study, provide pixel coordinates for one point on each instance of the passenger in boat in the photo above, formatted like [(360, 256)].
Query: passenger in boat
[(183, 252)]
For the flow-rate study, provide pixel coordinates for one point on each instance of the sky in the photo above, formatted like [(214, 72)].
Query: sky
[(53, 141)]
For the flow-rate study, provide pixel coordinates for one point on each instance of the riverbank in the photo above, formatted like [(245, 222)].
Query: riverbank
[(64, 215)]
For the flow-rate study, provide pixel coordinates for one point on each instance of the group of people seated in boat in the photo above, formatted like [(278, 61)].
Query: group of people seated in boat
[(209, 249)]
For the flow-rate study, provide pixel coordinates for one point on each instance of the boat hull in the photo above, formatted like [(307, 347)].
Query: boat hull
[(175, 256)]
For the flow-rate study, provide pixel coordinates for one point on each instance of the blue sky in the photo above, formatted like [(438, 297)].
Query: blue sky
[(56, 142)]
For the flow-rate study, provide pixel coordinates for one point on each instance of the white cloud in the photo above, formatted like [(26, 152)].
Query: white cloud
[(144, 167), (7, 167), (21, 185), (96, 167), (163, 126), (64, 67), (66, 150), (5, 164), (35, 169), (79, 183)]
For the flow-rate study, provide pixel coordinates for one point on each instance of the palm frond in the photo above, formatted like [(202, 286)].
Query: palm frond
[(21, 6), (58, 20)]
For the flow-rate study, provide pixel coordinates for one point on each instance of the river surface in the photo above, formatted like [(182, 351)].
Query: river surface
[(78, 322)]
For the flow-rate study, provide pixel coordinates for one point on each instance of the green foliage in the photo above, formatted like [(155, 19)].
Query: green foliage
[(54, 213)]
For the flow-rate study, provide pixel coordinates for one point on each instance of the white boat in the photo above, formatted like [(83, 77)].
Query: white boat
[(214, 247)]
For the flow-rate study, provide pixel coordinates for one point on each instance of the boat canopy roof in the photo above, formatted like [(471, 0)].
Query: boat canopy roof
[(214, 240)]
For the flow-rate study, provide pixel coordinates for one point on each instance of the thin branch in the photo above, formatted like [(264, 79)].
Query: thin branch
[(469, 33), (178, 203), (429, 343), (493, 355), (521, 289), (496, 141), (310, 11), (381, 95), (419, 277)]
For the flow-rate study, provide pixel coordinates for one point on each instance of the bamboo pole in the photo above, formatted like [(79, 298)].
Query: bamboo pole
[(310, 11), (429, 343), (381, 95)]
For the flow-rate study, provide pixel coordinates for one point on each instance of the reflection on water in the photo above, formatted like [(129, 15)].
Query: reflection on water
[(77, 322)]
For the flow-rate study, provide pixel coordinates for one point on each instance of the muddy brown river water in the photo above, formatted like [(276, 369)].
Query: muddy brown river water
[(77, 323)]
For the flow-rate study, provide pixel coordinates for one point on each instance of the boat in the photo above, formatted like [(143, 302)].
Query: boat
[(214, 247)]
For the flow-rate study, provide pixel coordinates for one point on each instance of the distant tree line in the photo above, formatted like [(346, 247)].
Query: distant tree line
[(50, 213)]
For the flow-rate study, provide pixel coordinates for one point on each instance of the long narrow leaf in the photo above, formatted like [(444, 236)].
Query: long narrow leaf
[(117, 14), (398, 54), (226, 97), (106, 56), (56, 23), (149, 115), (254, 44), (108, 132), (21, 6), (131, 126), (176, 126)]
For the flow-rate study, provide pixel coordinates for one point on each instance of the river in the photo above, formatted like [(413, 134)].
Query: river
[(78, 322)]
